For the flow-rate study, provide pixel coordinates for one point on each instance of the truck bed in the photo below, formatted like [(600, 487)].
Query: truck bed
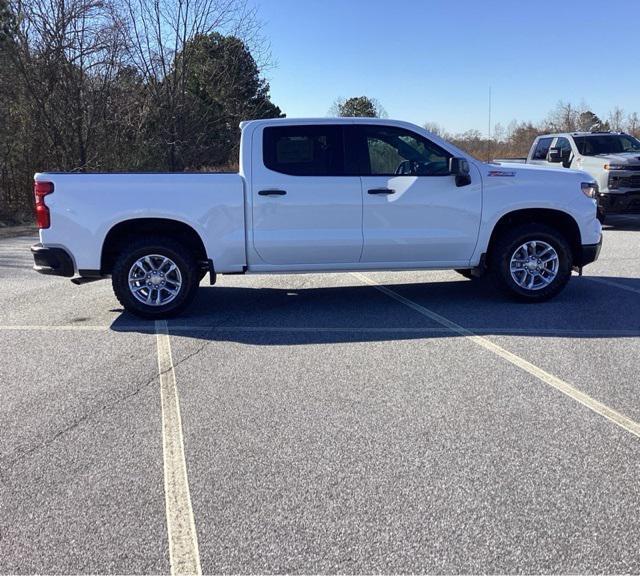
[(84, 207)]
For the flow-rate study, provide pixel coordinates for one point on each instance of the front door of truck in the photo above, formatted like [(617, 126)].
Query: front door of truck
[(413, 212), (306, 208)]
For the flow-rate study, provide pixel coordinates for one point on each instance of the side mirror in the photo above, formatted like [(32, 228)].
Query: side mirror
[(459, 167), (554, 155)]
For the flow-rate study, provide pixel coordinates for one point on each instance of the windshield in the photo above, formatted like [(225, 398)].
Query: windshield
[(606, 144)]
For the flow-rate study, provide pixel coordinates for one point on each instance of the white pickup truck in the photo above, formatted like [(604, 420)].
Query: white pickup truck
[(318, 195), (611, 158)]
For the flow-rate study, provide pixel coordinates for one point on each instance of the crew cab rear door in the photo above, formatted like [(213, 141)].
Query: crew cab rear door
[(413, 212), (306, 207)]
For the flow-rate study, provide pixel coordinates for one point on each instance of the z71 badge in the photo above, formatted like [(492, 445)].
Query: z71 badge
[(506, 173)]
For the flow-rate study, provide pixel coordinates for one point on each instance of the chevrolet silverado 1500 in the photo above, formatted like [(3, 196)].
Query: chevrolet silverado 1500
[(321, 195)]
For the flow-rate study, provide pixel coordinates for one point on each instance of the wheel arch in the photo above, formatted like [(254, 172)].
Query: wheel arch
[(557, 219), (125, 231)]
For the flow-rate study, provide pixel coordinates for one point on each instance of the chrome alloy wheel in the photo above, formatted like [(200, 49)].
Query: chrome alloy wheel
[(534, 265), (155, 280)]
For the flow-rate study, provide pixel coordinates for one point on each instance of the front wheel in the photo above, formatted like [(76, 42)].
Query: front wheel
[(532, 262), (155, 277)]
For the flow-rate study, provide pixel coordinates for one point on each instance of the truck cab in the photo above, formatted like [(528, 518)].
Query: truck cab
[(375, 194)]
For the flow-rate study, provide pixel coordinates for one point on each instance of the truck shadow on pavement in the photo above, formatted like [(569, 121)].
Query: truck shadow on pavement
[(630, 222), (596, 307)]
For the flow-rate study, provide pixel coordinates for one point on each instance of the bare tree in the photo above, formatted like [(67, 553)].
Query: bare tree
[(124, 85), (58, 62), (158, 35), (633, 124), (67, 55), (616, 119), (435, 128), (564, 118)]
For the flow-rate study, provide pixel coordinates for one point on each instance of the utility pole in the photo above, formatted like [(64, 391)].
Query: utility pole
[(489, 130)]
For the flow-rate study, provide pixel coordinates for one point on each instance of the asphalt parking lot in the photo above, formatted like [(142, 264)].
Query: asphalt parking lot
[(328, 424)]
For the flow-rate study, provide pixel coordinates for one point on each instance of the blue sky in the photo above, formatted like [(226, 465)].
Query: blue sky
[(435, 60)]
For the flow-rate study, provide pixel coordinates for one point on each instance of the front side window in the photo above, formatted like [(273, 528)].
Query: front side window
[(304, 150), (393, 151), (565, 146), (542, 149)]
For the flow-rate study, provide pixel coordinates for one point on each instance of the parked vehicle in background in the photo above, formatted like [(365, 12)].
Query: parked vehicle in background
[(321, 195), (612, 158)]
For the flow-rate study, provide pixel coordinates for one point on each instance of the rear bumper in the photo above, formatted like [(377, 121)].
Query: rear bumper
[(54, 261), (589, 253), (621, 203)]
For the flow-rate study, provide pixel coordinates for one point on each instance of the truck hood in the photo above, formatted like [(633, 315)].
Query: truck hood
[(632, 158), (514, 169)]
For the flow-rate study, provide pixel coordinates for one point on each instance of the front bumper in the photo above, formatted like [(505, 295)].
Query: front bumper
[(589, 254), (55, 261), (619, 203)]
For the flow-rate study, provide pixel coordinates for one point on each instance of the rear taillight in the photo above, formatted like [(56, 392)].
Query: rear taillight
[(41, 189)]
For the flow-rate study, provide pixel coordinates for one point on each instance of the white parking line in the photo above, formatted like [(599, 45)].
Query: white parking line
[(594, 405), (53, 328), (181, 528), (487, 330)]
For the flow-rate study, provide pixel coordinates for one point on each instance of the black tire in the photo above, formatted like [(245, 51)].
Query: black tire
[(506, 247), (156, 245), (466, 272)]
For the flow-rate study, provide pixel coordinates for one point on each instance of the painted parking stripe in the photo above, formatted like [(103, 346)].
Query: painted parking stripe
[(181, 528), (54, 328), (594, 405), (487, 330)]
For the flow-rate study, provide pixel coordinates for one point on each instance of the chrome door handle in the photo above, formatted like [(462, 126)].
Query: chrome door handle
[(381, 191), (272, 192)]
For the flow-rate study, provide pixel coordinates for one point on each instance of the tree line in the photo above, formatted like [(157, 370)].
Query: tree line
[(124, 85), (515, 140), (133, 85)]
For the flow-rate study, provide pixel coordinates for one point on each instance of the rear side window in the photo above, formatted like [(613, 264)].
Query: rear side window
[(542, 149), (304, 150)]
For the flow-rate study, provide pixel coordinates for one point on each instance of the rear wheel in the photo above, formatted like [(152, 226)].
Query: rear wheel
[(532, 262), (155, 277)]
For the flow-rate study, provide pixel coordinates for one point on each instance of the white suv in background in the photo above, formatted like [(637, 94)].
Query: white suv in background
[(612, 158)]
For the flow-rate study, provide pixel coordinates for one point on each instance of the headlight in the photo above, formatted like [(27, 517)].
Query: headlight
[(617, 167), (589, 189)]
